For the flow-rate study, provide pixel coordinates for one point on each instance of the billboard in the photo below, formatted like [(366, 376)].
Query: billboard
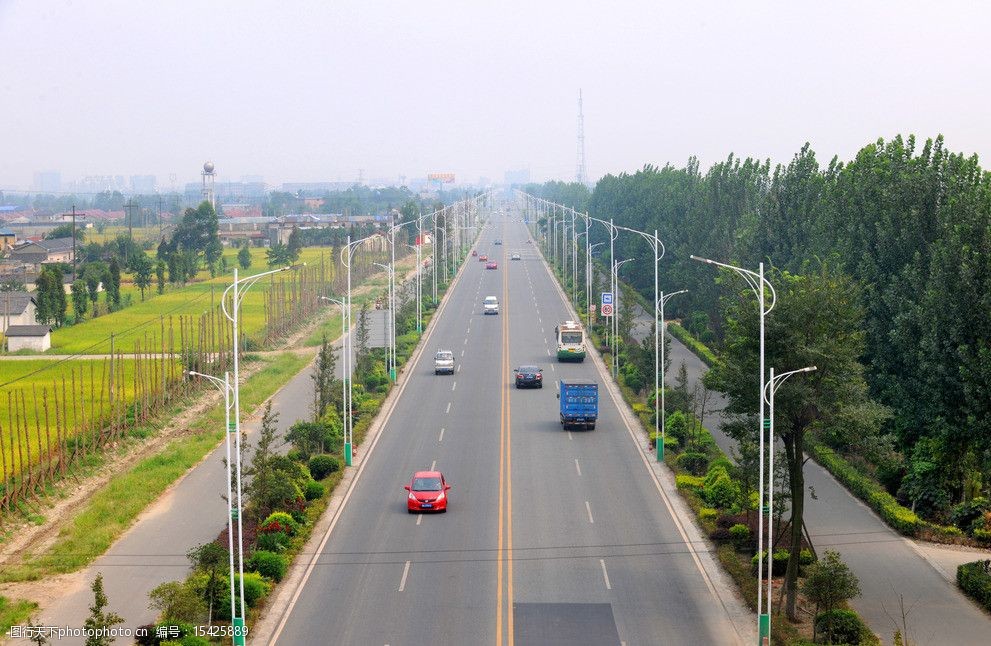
[(446, 178)]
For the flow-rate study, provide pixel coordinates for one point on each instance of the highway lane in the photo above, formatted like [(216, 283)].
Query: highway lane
[(550, 534)]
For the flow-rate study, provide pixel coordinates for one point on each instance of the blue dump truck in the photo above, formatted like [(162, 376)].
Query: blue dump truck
[(579, 403)]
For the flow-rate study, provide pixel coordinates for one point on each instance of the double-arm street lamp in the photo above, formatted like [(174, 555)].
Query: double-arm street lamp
[(224, 386), (659, 369), (236, 292), (615, 316), (390, 336), (758, 284), (773, 383)]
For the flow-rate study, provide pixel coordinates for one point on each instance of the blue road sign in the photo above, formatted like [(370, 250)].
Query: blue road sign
[(607, 298)]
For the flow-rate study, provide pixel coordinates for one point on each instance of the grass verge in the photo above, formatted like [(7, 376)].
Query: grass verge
[(14, 612)]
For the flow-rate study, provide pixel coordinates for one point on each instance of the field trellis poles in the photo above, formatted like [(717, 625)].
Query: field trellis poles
[(67, 411)]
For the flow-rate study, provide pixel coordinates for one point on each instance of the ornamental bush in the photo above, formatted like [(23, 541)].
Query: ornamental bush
[(779, 562), (683, 481), (273, 541), (975, 580), (740, 535), (693, 462), (313, 490), (269, 564), (280, 521), (255, 589), (722, 493), (839, 627), (322, 466)]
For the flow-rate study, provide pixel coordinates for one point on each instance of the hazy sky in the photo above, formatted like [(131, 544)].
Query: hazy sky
[(309, 91)]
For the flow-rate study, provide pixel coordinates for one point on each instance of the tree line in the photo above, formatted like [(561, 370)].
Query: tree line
[(902, 232)]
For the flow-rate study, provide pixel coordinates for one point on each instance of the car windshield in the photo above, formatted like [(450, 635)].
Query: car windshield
[(426, 484), (491, 300), (529, 369), (444, 355), (571, 337)]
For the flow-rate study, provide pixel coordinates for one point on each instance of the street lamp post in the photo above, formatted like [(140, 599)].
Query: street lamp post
[(773, 383), (615, 316), (391, 321), (224, 386), (659, 391), (588, 278), (237, 294), (758, 284)]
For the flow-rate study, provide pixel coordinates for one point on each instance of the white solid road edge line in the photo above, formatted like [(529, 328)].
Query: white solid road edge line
[(625, 416), (378, 425)]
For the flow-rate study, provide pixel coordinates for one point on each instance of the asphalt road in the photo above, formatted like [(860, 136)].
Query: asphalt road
[(893, 571), (551, 537), (191, 513)]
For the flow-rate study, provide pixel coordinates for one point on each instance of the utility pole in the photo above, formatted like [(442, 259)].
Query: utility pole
[(73, 243), (129, 214)]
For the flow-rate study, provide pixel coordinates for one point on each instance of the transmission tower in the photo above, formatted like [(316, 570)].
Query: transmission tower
[(580, 176)]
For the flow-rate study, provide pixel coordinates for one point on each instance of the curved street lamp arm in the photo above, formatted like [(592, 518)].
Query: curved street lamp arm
[(780, 379), (753, 278)]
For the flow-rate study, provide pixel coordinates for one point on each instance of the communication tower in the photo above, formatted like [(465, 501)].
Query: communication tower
[(580, 175)]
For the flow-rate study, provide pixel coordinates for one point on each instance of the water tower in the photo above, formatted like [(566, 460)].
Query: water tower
[(208, 178)]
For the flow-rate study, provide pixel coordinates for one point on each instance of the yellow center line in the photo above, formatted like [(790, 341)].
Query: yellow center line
[(502, 436), (509, 462)]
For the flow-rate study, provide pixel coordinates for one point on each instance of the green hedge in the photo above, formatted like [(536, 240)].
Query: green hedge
[(901, 518), (975, 580), (698, 348)]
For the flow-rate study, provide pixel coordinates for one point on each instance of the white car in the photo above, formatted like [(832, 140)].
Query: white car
[(490, 305), (444, 362), (515, 256)]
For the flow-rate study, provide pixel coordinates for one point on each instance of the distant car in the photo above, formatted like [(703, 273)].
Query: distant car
[(497, 242), (515, 256), (490, 305), (474, 252), (529, 377), (483, 258), (444, 362), (492, 265), (427, 492)]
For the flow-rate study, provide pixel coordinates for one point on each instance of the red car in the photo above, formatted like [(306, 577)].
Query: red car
[(492, 265), (427, 492), (482, 258), (474, 252)]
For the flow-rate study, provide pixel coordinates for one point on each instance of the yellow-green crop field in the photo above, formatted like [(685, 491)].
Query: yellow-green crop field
[(130, 324), (23, 385)]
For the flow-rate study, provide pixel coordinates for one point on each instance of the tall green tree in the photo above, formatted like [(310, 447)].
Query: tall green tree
[(112, 284), (816, 321), (160, 276), (142, 273), (100, 620), (294, 245), (80, 299), (65, 231), (244, 256)]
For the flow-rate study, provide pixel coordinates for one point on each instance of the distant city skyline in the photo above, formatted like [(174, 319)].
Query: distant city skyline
[(334, 91)]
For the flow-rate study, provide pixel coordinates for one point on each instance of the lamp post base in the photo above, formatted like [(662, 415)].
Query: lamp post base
[(764, 630), (660, 449), (392, 374), (239, 636), (347, 454)]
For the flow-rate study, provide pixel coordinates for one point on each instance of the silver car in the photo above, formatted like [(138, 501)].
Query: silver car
[(444, 362), (490, 305)]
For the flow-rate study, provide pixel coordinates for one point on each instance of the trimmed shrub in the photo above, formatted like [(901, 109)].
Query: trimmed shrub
[(983, 535), (740, 535), (779, 562), (714, 472), (280, 521), (269, 564), (806, 558), (683, 481), (322, 466), (839, 627), (964, 514), (313, 490), (255, 589), (676, 426), (722, 493), (693, 462), (975, 580), (273, 541), (707, 513)]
